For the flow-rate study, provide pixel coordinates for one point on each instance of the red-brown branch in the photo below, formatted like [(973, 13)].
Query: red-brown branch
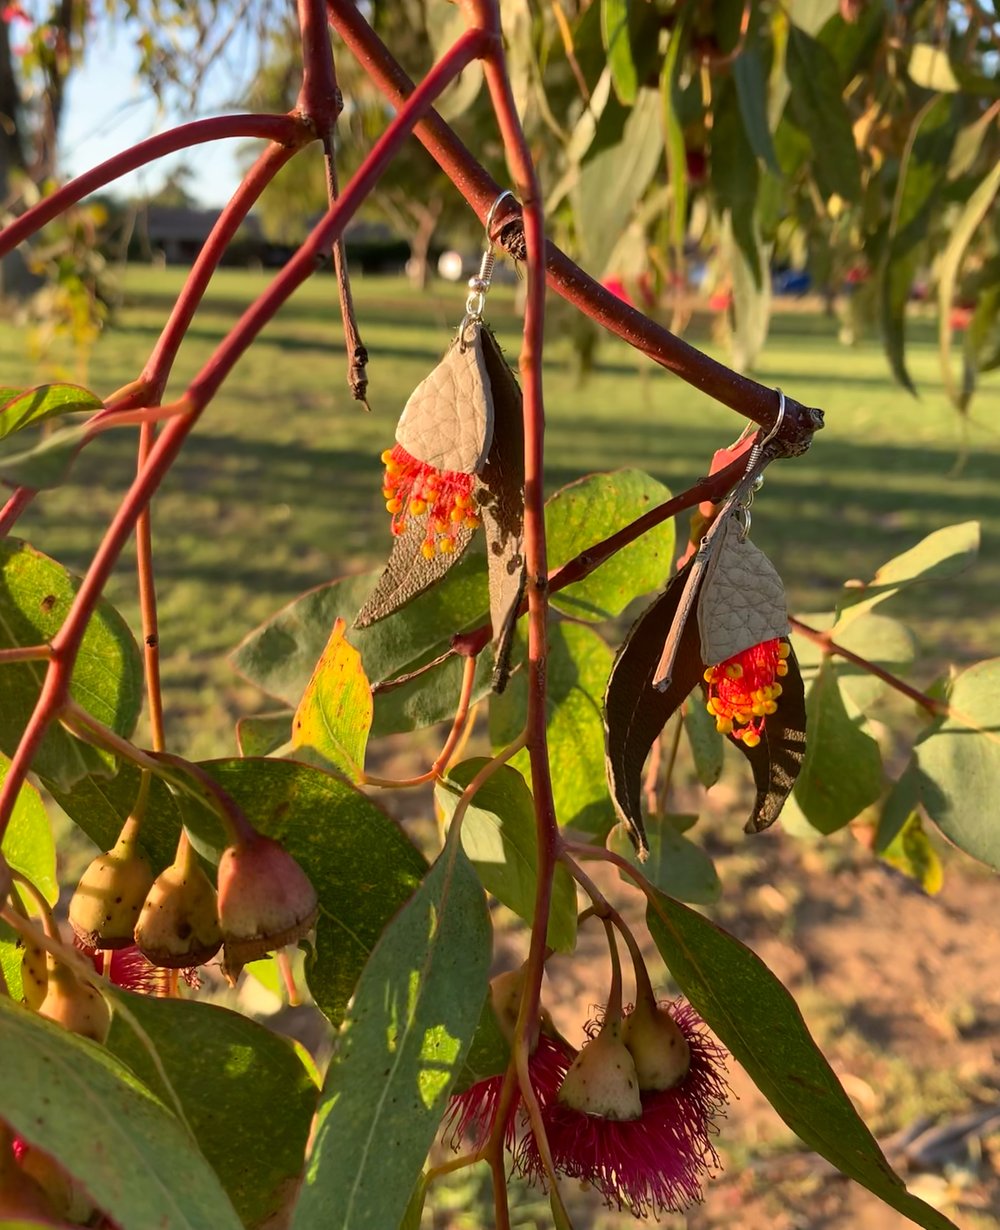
[(283, 129), (755, 401), (829, 646), (66, 643)]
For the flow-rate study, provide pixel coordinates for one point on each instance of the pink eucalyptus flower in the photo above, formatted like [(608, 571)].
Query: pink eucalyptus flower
[(473, 1112), (130, 970), (654, 1163)]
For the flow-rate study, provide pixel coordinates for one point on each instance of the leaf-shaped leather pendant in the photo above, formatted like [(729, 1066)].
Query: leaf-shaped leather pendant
[(777, 758), (742, 599), (500, 494), (635, 711), (409, 572), (447, 421)]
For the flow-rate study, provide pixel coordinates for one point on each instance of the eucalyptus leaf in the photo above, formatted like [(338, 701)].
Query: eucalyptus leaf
[(35, 597), (73, 1100), (28, 845), (217, 1060), (596, 507), (498, 836), (578, 665), (675, 865), (938, 557), (959, 763), (758, 1021), (841, 774), (402, 1047), (361, 865)]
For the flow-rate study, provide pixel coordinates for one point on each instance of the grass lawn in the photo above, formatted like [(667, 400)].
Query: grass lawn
[(278, 489)]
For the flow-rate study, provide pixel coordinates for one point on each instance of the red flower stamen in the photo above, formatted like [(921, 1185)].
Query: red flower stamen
[(743, 690), (653, 1164), (413, 488), (473, 1112), (128, 968)]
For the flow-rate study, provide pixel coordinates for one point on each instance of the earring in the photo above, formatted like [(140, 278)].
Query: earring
[(458, 464)]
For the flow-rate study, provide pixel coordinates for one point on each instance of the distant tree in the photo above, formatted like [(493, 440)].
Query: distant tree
[(414, 197)]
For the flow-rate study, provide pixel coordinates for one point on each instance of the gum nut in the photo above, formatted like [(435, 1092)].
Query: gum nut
[(179, 924), (75, 1005), (660, 1050), (602, 1079), (107, 901)]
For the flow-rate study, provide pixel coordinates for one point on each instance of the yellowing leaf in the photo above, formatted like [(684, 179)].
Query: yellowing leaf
[(335, 713)]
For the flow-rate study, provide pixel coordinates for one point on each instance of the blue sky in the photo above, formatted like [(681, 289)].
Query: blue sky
[(108, 110)]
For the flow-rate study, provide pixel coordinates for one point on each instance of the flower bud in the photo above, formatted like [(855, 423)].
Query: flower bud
[(658, 1046), (34, 974), (66, 1196), (107, 901), (602, 1079), (74, 1004), (506, 990), (265, 901), (21, 1199), (179, 923)]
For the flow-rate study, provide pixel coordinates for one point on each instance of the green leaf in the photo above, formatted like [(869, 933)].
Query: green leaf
[(938, 557), (35, 597), (897, 807), (488, 1053), (706, 742), (735, 173), (612, 182), (10, 961), (959, 763), (70, 1098), (618, 45), (673, 132), (578, 666), (841, 774), (43, 460), (816, 106), (498, 836), (751, 90), (409, 1026), (593, 508), (335, 713), (922, 172), (360, 863), (28, 845), (100, 805), (47, 401), (930, 68), (263, 733), (975, 210), (675, 865), (280, 656), (220, 1061), (759, 1022), (912, 853), (880, 640)]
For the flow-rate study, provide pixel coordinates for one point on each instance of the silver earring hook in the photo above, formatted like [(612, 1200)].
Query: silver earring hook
[(753, 457), (493, 209), (479, 283), (778, 421)]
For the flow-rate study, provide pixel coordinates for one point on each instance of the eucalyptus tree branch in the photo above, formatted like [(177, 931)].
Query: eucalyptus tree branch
[(747, 397)]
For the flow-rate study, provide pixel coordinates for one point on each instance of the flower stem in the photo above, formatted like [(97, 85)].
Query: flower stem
[(440, 765)]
